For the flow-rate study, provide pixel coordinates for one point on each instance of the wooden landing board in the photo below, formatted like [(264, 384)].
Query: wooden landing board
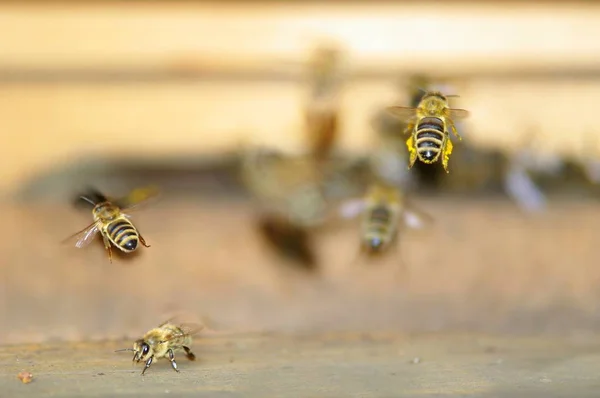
[(381, 364)]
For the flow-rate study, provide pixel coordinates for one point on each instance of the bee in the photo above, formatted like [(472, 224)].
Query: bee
[(290, 240), (163, 341), (111, 222), (428, 125), (384, 210), (325, 79)]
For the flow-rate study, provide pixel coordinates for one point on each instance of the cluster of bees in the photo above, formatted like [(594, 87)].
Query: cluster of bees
[(383, 208), (295, 193), (298, 194)]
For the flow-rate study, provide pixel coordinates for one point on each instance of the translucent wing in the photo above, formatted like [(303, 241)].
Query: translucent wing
[(137, 197), (402, 112), (414, 221), (458, 113), (187, 329), (85, 236), (523, 190), (352, 208), (417, 219)]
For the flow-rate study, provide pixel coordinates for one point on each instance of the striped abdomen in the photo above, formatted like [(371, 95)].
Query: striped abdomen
[(429, 138), (122, 234), (378, 228)]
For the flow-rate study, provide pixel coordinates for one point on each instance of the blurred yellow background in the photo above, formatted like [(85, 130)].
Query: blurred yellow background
[(165, 78)]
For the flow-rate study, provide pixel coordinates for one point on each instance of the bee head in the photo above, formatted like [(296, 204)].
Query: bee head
[(433, 103), (142, 350), (105, 211)]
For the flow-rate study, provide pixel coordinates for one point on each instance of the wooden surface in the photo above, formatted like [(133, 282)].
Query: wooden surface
[(163, 78), (383, 364)]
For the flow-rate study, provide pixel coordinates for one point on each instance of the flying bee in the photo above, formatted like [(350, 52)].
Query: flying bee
[(163, 341), (384, 211), (429, 124), (111, 222)]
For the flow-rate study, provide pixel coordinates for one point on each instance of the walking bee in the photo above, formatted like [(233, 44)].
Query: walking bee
[(428, 125), (111, 222), (164, 341)]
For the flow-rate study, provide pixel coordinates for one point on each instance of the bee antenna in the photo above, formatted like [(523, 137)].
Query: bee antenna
[(125, 349), (422, 89), (82, 197), (452, 96)]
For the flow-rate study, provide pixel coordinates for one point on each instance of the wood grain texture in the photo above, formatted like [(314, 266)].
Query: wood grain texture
[(380, 364)]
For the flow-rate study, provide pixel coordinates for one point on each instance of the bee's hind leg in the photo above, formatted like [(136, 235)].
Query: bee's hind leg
[(143, 241), (172, 359), (190, 355), (412, 150), (108, 248), (446, 154)]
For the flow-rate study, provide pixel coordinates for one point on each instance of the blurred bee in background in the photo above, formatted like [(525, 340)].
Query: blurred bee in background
[(110, 221), (428, 125), (289, 186), (291, 201), (165, 340), (322, 108), (384, 211), (294, 196), (290, 240)]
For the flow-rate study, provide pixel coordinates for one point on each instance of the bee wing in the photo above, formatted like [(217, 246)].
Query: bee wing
[(458, 114), (137, 197), (185, 319), (417, 219), (352, 208), (85, 236), (402, 112), (187, 329)]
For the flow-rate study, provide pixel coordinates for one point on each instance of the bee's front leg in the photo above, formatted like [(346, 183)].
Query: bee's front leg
[(148, 363), (172, 359)]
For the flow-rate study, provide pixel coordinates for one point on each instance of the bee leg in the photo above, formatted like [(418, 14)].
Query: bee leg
[(453, 128), (172, 359), (107, 247), (143, 241), (447, 152), (190, 355), (148, 363), (409, 127), (410, 144)]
